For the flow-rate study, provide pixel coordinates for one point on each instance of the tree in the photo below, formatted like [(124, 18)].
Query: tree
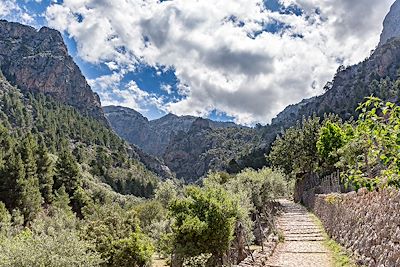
[(12, 171), (29, 197), (115, 232), (5, 218), (295, 151), (166, 192), (370, 156), (133, 251), (331, 138), (203, 223), (67, 172), (61, 201), (45, 173)]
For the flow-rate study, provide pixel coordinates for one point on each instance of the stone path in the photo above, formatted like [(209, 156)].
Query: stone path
[(304, 240)]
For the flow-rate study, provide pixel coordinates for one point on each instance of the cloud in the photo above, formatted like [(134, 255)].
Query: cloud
[(10, 10), (113, 92), (219, 50), (7, 6), (166, 88)]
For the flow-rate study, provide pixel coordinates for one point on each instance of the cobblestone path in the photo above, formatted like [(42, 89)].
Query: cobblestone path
[(304, 241)]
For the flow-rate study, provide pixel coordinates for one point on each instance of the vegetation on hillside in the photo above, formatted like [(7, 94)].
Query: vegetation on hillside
[(70, 188), (365, 150)]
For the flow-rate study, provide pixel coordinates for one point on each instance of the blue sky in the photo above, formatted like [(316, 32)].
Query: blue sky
[(242, 60)]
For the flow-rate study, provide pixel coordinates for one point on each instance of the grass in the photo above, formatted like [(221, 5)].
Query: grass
[(340, 256)]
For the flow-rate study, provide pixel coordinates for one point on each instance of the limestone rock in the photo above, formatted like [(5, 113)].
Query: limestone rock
[(38, 61), (391, 25)]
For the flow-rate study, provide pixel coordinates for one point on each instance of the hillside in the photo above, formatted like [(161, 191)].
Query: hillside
[(189, 146), (374, 76), (38, 62), (155, 135), (377, 75)]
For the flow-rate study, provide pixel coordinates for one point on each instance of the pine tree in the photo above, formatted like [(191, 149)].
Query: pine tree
[(27, 150), (45, 173), (29, 197), (67, 172), (13, 171), (62, 202)]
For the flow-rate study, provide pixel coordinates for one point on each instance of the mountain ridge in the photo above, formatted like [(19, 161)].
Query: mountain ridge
[(153, 136), (391, 24), (37, 61)]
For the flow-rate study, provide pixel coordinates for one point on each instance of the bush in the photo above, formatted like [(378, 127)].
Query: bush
[(204, 223), (51, 242), (134, 251)]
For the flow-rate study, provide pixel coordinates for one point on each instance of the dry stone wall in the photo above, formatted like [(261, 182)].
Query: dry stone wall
[(366, 223)]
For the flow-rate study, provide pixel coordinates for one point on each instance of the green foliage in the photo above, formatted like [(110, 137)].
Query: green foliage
[(49, 242), (67, 172), (45, 172), (133, 251), (295, 151), (204, 222), (5, 218), (331, 138), (166, 192), (254, 190), (115, 232), (370, 157), (58, 169)]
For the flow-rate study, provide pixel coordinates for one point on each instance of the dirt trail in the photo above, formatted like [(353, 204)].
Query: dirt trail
[(304, 240)]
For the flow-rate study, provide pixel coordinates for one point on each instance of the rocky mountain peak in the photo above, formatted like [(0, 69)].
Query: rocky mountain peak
[(38, 61), (391, 24), (200, 124)]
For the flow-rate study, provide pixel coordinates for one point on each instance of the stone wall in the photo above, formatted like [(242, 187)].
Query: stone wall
[(366, 223)]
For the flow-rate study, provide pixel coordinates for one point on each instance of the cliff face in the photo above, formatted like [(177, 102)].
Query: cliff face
[(38, 61), (375, 76), (391, 24), (152, 136), (351, 86), (189, 146), (193, 154)]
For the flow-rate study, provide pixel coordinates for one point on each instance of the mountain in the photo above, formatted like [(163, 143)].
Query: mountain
[(391, 24), (38, 61), (152, 136), (376, 76), (43, 93), (192, 154), (188, 145)]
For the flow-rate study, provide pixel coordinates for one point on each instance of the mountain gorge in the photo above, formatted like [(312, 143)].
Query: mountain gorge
[(153, 136), (188, 145), (189, 153), (86, 185)]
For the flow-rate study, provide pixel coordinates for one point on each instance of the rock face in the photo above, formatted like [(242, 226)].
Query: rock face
[(186, 151), (189, 146), (391, 25), (351, 86), (38, 61), (152, 136)]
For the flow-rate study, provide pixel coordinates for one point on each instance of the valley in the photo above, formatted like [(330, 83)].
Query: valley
[(82, 184)]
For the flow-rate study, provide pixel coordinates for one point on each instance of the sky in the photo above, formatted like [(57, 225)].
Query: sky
[(241, 61)]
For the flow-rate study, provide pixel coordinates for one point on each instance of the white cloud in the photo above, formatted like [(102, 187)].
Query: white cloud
[(6, 7), (10, 10), (166, 88), (219, 66), (113, 92)]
